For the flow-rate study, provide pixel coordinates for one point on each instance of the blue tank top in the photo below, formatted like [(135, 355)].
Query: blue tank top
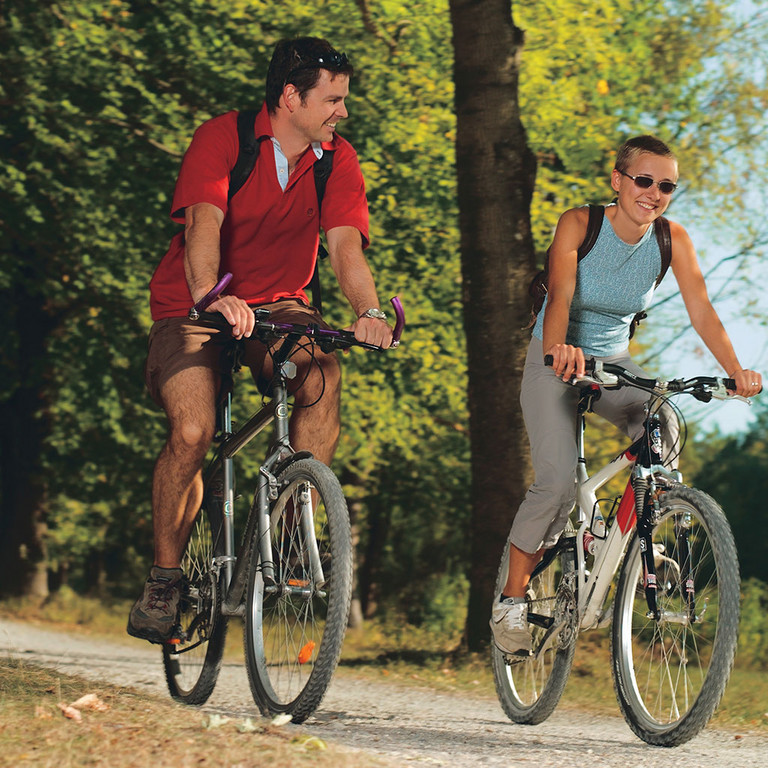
[(614, 281)]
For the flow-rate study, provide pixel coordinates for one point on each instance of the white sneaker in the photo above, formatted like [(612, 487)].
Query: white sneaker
[(509, 624)]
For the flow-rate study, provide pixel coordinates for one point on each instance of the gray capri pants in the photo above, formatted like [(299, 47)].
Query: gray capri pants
[(549, 410)]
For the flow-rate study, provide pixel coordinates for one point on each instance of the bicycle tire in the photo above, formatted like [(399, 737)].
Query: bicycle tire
[(529, 689), (670, 676), (294, 635), (192, 666)]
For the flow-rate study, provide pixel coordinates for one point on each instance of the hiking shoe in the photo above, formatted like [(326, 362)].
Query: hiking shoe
[(509, 624), (154, 614)]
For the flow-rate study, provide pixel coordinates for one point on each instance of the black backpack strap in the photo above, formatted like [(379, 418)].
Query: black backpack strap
[(322, 169), (247, 153), (596, 213), (664, 239), (537, 290)]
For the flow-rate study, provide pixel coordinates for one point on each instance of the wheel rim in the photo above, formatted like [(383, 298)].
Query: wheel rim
[(288, 621), (197, 608), (664, 664)]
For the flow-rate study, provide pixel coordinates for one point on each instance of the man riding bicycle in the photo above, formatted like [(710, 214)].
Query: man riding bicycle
[(267, 236)]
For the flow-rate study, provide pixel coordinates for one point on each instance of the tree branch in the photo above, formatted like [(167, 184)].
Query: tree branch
[(371, 26)]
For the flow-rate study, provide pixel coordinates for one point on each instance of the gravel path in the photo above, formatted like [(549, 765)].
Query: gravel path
[(401, 725)]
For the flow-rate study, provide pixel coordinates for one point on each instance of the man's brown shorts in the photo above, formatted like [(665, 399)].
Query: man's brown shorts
[(176, 343)]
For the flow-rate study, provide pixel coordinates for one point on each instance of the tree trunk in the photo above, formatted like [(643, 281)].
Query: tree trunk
[(355, 620), (24, 426), (496, 173)]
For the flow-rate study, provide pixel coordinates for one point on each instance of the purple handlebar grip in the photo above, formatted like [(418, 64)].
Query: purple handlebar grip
[(397, 305), (210, 297)]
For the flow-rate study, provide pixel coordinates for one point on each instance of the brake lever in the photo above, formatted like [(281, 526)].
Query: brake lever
[(602, 377)]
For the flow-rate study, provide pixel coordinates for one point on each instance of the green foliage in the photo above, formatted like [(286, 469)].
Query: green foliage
[(99, 101), (753, 628), (592, 76), (735, 472)]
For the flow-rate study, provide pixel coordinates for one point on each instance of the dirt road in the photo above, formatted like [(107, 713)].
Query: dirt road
[(402, 725)]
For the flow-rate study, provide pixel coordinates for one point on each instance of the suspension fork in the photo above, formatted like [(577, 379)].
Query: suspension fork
[(644, 512), (686, 586), (649, 455)]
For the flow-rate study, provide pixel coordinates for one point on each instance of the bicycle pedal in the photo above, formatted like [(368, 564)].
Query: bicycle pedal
[(517, 656)]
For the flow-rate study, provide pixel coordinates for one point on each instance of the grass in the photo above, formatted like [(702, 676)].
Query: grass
[(412, 656), (125, 728)]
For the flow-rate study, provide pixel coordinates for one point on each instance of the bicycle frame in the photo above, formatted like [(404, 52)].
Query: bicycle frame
[(595, 584), (275, 411)]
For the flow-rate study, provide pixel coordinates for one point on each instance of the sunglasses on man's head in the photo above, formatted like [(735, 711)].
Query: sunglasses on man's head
[(646, 182), (332, 61)]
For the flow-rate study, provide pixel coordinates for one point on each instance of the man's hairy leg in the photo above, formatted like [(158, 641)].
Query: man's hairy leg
[(189, 399)]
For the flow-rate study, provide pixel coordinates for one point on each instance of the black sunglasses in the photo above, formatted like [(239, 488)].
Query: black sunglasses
[(646, 182), (332, 61)]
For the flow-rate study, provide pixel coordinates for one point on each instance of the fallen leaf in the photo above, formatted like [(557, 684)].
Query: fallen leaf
[(70, 712), (309, 742), (214, 721), (42, 713), (91, 702), (282, 719), (247, 726)]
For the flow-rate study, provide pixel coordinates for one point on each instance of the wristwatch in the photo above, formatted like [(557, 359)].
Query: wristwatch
[(375, 313)]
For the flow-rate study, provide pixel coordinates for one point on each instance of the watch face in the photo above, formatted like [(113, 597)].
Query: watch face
[(377, 313)]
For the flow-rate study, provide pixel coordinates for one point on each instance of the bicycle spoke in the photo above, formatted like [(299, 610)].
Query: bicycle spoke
[(192, 665), (671, 674), (294, 630)]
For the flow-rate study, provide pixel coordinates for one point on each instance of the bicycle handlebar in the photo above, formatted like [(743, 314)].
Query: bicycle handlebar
[(210, 297), (703, 388), (326, 338)]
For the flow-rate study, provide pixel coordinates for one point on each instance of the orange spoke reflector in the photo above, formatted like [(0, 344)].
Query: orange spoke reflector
[(305, 654), (174, 641), (298, 582)]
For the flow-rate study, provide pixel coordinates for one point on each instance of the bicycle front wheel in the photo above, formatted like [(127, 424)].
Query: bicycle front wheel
[(192, 665), (295, 628), (530, 688), (671, 673)]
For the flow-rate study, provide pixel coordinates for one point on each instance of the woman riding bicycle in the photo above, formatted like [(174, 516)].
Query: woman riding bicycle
[(588, 312)]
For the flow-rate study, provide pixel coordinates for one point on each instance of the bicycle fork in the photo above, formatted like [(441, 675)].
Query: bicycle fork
[(644, 513), (647, 510)]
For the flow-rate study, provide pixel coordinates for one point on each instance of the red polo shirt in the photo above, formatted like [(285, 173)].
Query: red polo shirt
[(269, 237)]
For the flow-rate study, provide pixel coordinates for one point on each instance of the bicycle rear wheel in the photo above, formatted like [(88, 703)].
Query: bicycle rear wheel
[(294, 630), (670, 674), (192, 665), (529, 688)]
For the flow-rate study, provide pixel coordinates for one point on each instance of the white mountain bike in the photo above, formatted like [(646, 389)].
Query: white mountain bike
[(675, 607)]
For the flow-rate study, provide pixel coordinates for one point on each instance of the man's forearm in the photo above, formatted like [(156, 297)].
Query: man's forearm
[(354, 276), (201, 254)]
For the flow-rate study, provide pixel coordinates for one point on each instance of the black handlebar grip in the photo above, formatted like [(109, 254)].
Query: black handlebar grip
[(731, 384)]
